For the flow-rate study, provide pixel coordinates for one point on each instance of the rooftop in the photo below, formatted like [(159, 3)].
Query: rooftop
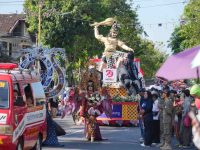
[(8, 21)]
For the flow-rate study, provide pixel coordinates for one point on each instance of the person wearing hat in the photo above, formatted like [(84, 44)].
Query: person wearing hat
[(161, 104), (195, 92), (167, 120)]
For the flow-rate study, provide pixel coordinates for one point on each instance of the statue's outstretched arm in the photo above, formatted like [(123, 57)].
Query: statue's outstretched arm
[(123, 46), (97, 35)]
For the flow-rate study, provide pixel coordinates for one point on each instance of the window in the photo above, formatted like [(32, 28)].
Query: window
[(28, 95), (18, 31), (5, 46), (4, 94), (10, 49), (16, 88), (38, 93), (18, 99)]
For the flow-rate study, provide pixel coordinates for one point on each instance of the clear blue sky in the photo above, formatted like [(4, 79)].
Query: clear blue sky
[(151, 13), (154, 12)]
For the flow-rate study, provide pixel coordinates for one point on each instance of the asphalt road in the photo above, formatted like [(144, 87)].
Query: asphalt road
[(118, 138)]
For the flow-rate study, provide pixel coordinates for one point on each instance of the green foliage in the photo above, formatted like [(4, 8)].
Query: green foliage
[(124, 99), (66, 24), (187, 34), (151, 58), (175, 41)]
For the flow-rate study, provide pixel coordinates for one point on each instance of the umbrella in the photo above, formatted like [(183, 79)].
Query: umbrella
[(196, 61), (178, 66)]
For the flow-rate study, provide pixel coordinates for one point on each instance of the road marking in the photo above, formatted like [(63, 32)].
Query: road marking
[(74, 132)]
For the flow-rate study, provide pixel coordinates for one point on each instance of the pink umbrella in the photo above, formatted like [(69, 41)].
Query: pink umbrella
[(179, 66)]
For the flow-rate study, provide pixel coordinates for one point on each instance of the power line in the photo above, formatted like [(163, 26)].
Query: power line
[(6, 5), (138, 6), (141, 1), (11, 3), (8, 2), (167, 4)]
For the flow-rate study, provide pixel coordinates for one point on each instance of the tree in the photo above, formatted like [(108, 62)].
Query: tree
[(72, 30), (187, 34), (191, 29), (175, 41), (151, 59)]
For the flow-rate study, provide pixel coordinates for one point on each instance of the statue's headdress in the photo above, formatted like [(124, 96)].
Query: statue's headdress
[(115, 27)]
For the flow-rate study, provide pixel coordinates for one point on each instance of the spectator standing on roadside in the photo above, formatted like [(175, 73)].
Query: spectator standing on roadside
[(53, 106), (161, 104), (156, 121), (146, 110), (167, 120), (140, 116), (177, 104), (185, 130), (173, 95)]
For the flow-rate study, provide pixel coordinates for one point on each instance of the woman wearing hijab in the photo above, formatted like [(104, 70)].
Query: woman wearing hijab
[(146, 110)]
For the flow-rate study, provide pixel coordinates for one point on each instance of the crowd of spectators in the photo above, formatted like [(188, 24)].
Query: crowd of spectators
[(163, 114)]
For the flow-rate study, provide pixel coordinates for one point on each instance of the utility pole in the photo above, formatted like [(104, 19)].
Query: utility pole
[(39, 22), (46, 14)]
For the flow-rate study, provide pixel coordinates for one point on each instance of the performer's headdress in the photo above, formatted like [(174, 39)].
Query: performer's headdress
[(90, 78)]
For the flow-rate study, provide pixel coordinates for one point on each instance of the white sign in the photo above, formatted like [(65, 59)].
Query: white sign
[(29, 119), (109, 75), (3, 118)]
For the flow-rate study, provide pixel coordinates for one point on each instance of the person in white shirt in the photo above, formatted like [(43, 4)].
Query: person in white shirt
[(156, 121)]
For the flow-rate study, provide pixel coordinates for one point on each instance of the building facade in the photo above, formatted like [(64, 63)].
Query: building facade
[(14, 35)]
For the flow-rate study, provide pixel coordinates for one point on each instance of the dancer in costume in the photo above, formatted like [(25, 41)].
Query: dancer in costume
[(51, 139), (90, 109), (93, 104)]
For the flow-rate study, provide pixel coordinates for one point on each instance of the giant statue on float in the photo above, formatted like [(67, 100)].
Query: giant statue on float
[(119, 62)]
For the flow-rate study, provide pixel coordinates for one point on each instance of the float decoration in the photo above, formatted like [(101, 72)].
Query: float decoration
[(44, 62), (122, 75), (118, 68)]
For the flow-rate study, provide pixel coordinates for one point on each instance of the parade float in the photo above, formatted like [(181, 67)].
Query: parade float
[(122, 76), (46, 62), (124, 106), (117, 76)]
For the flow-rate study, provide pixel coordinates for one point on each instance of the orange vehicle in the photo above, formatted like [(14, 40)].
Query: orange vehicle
[(22, 109)]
